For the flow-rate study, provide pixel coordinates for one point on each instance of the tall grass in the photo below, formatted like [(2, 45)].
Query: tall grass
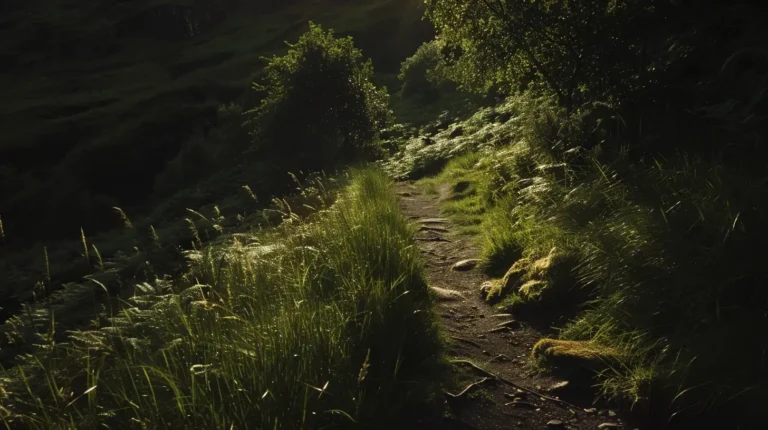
[(315, 324)]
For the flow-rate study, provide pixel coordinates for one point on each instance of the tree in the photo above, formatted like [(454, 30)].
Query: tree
[(568, 47), (320, 106)]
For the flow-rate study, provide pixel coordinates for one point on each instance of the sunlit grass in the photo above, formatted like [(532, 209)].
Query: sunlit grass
[(320, 323)]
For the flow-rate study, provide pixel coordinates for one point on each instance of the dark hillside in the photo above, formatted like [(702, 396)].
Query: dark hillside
[(100, 96)]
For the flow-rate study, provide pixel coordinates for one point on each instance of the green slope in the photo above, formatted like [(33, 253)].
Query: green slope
[(99, 97)]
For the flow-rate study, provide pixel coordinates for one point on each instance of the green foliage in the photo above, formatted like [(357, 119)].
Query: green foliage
[(423, 73), (559, 45), (316, 324), (667, 250), (485, 129), (320, 107)]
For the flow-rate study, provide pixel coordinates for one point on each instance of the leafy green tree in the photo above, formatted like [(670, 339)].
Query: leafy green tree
[(565, 46), (320, 106)]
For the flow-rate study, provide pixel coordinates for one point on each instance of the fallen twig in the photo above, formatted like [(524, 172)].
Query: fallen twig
[(526, 404), (465, 391), (512, 384)]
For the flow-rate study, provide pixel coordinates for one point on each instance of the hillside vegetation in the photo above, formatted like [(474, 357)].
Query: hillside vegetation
[(610, 163), (119, 103), (619, 192)]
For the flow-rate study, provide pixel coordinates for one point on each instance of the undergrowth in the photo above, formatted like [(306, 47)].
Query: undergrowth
[(656, 258), (319, 323)]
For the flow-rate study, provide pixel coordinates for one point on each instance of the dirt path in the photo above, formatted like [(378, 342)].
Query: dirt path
[(496, 343)]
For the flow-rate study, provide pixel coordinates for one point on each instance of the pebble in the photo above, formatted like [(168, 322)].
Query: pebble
[(608, 426), (591, 411), (465, 265), (445, 294), (555, 424)]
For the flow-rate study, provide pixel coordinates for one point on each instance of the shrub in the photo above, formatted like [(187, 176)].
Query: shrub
[(320, 106), (422, 73)]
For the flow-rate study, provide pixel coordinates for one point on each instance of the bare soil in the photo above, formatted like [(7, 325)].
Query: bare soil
[(475, 334)]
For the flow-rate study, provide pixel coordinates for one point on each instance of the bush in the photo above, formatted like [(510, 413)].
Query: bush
[(422, 73), (320, 106)]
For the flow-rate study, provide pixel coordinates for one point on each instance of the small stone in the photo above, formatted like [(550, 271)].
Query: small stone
[(481, 336), (555, 424), (609, 426), (590, 411), (611, 413), (465, 265), (502, 316), (446, 295)]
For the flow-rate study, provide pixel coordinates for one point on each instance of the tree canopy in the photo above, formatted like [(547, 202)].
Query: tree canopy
[(568, 47)]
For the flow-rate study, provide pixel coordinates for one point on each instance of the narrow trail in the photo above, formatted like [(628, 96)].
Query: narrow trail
[(485, 343)]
